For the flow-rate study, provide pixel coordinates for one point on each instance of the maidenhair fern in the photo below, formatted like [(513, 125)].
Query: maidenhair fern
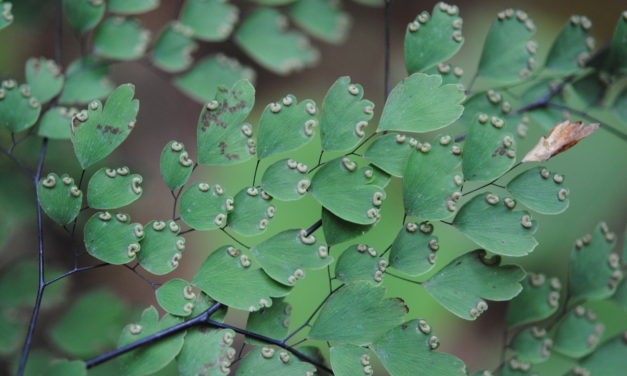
[(447, 154)]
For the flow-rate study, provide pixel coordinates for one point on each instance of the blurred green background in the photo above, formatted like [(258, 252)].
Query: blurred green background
[(595, 169)]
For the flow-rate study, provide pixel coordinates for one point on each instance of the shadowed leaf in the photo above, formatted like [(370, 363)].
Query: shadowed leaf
[(463, 284)]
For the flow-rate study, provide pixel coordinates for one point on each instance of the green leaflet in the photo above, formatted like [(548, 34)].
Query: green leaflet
[(151, 358), (286, 125), (350, 360), (111, 188), (377, 176), (99, 130), (463, 284), (176, 297), (173, 48), (516, 367), (56, 123), (431, 39), (203, 80), (67, 368), (85, 80), (273, 361), (322, 19), (532, 345), (209, 20), (131, 6), (252, 213), (620, 296), (410, 347), (206, 352), (112, 238), (6, 17), (508, 54), (286, 180), (18, 109), (539, 191), (222, 138), (44, 77), (336, 230), (272, 322), (595, 270), (571, 49), (360, 263), (121, 38), (90, 325), (357, 314), (489, 149), (608, 359), (344, 115), (617, 54), (204, 207), (578, 333), (414, 249), (83, 15), (586, 91), (161, 248), (263, 37), (495, 227), (494, 103), (420, 103), (60, 198), (539, 299), (359, 204), (450, 74), (227, 276), (175, 165), (287, 255), (431, 181), (390, 152)]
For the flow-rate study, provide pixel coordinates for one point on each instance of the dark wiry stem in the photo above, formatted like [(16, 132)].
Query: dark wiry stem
[(271, 341), (74, 271), (386, 49), (308, 321), (203, 318), (41, 283), (234, 238), (153, 337), (314, 227), (255, 173), (153, 285), (493, 181), (402, 278)]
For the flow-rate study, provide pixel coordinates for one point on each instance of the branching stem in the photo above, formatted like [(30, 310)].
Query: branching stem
[(308, 321), (41, 283)]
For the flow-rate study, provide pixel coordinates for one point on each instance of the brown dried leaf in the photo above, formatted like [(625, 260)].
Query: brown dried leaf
[(562, 137)]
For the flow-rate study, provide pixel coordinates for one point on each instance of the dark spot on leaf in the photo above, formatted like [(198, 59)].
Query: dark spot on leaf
[(224, 153), (108, 129), (210, 117), (499, 151)]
